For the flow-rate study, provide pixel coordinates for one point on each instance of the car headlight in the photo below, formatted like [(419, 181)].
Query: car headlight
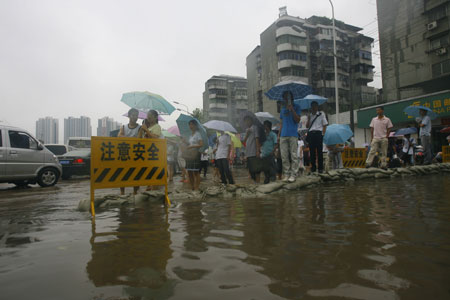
[(55, 158)]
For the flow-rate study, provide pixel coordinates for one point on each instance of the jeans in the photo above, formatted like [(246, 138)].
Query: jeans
[(427, 151), (224, 169), (335, 160), (316, 145), (269, 168), (288, 147), (380, 146)]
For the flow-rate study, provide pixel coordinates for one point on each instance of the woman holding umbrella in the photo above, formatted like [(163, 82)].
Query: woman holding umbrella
[(150, 127), (192, 155)]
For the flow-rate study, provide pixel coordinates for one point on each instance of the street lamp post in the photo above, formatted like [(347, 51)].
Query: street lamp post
[(187, 109), (336, 88)]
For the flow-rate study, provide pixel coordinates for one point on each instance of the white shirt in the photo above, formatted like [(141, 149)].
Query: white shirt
[(222, 149), (319, 123), (406, 145), (300, 145)]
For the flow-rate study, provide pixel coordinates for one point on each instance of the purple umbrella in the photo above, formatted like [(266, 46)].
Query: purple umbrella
[(174, 130), (143, 115)]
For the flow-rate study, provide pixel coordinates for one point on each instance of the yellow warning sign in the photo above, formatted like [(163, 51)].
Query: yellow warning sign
[(445, 154), (354, 157), (122, 162)]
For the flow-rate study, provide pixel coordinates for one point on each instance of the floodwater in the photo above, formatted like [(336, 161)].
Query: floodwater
[(379, 239)]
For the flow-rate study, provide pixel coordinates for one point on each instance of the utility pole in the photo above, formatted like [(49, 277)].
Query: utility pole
[(336, 88)]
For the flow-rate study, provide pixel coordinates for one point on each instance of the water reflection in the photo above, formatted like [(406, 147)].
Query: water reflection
[(135, 255)]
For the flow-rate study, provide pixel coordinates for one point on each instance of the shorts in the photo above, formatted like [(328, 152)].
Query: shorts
[(254, 166), (193, 164)]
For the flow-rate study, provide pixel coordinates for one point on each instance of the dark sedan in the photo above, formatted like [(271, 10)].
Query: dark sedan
[(77, 162)]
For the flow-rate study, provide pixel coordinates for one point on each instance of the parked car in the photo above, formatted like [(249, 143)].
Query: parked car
[(77, 162), (80, 142), (58, 149), (24, 160)]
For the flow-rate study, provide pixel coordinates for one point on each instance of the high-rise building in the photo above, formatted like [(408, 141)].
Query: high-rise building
[(47, 130), (77, 127), (302, 49), (106, 125), (225, 98), (414, 47)]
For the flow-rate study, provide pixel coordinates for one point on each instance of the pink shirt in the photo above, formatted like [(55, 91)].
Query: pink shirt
[(380, 127)]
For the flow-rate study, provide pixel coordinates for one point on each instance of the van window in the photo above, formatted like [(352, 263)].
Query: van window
[(22, 140)]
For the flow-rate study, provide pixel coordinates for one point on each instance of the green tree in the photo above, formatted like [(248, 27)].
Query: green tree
[(199, 115)]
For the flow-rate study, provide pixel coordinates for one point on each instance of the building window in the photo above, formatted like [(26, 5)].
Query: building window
[(437, 13), (439, 42), (295, 71), (291, 39), (291, 55), (326, 31), (441, 68)]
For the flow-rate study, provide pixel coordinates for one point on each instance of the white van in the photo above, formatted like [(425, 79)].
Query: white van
[(24, 160)]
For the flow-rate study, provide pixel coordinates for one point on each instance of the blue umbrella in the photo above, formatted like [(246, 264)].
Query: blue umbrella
[(299, 90), (147, 101), (185, 131), (337, 134), (220, 126), (405, 131), (414, 111), (305, 103)]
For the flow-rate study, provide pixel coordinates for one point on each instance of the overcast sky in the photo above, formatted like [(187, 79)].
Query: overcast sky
[(65, 58)]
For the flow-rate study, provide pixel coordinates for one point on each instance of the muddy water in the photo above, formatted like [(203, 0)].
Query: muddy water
[(371, 240)]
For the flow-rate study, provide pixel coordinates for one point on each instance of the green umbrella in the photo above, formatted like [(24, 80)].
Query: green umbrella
[(147, 101), (167, 134)]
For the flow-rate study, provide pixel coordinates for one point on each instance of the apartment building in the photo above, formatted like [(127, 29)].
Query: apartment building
[(47, 130)]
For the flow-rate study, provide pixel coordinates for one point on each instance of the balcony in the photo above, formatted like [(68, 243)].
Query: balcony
[(321, 36), (330, 84), (241, 105), (287, 30), (291, 47), (363, 76), (287, 63), (362, 61), (240, 97), (217, 96), (429, 5), (216, 86), (218, 105), (442, 26)]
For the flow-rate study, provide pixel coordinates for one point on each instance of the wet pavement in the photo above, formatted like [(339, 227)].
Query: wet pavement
[(383, 239)]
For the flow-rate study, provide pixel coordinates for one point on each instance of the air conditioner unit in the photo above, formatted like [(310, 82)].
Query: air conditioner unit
[(441, 51), (432, 25)]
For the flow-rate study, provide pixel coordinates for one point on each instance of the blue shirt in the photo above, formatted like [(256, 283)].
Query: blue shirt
[(289, 125), (269, 144)]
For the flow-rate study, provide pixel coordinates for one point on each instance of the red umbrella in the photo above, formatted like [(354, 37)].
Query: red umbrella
[(445, 130), (174, 130)]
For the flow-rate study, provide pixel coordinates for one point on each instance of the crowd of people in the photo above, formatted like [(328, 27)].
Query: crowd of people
[(282, 154)]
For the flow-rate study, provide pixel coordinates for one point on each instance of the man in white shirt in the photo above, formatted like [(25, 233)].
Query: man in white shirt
[(425, 136), (380, 127), (408, 149), (317, 125), (222, 155)]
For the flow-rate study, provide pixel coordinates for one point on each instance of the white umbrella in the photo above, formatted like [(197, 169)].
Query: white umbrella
[(265, 116), (220, 126)]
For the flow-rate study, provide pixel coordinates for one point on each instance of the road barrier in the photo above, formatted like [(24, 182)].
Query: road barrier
[(445, 154), (354, 157), (125, 162)]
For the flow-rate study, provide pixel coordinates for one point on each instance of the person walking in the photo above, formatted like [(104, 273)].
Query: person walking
[(288, 136), (204, 161), (267, 153), (132, 129), (252, 149), (425, 137), (317, 126), (223, 154), (380, 127)]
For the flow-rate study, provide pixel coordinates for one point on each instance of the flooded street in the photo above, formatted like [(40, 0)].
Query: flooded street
[(383, 239)]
